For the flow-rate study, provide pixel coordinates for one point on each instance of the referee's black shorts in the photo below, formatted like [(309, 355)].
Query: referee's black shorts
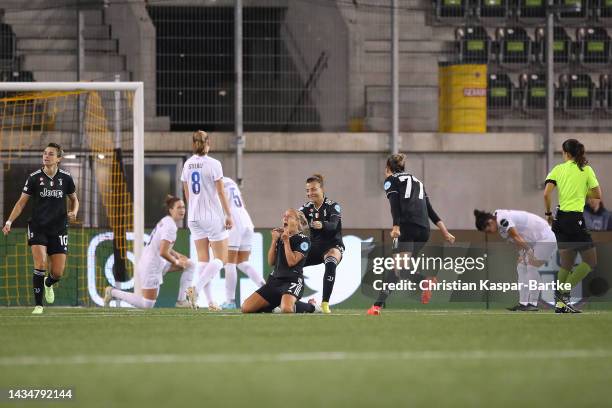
[(571, 232), (412, 239)]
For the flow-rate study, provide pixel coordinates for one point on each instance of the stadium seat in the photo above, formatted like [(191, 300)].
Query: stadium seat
[(533, 92), (514, 46), (593, 45), (7, 47), (451, 9), (577, 91), (531, 11), (605, 92), (602, 9), (500, 92), (473, 44), (562, 46), (575, 10), (492, 9)]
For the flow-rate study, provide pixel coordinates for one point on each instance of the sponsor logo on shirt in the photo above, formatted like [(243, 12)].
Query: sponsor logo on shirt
[(52, 193)]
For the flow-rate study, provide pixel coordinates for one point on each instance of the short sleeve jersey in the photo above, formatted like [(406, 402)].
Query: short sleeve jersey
[(200, 173), (240, 214), (573, 184), (329, 212), (299, 243), (166, 230), (529, 226), (49, 213)]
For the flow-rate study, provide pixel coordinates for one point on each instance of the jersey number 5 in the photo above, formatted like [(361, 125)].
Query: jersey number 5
[(195, 182), (409, 180), (235, 198)]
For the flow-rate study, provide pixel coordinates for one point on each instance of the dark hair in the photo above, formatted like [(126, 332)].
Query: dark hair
[(396, 163), (171, 201), (200, 141), (60, 151), (315, 178), (576, 150), (482, 217)]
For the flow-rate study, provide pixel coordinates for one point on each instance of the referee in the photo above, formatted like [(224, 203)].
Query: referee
[(576, 181)]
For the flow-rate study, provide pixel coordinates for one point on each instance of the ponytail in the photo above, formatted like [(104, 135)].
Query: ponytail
[(200, 142), (396, 163), (576, 150)]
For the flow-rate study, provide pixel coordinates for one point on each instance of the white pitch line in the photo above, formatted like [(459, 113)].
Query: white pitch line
[(301, 357)]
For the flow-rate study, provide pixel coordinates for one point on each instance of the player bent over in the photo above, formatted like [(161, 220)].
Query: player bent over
[(535, 242), (157, 259), (287, 254)]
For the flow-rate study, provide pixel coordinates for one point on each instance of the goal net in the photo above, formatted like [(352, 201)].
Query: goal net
[(99, 126)]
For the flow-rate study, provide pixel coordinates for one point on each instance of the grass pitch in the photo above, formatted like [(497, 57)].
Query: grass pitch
[(176, 358)]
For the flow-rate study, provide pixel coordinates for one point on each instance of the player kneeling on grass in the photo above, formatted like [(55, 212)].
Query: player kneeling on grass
[(535, 242), (287, 254), (158, 258)]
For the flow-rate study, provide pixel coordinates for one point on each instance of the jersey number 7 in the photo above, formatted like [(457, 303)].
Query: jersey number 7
[(409, 180)]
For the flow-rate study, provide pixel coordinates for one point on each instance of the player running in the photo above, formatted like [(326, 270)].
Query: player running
[(325, 221), (287, 254), (209, 215), (410, 210), (240, 241), (576, 181), (535, 242), (48, 225), (158, 258)]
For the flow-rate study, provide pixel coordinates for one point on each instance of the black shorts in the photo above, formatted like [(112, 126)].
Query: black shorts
[(571, 232), (318, 250), (55, 243), (275, 288), (412, 239)]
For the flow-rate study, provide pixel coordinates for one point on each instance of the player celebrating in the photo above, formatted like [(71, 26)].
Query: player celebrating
[(287, 253), (240, 239), (48, 226), (324, 219), (157, 259), (576, 181), (209, 215), (535, 242), (410, 210)]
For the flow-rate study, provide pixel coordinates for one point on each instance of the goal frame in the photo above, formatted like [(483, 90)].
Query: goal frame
[(138, 140)]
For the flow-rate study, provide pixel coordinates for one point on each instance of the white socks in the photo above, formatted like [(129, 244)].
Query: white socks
[(248, 269), (186, 280), (133, 299), (207, 271), (533, 275), (521, 269), (231, 278)]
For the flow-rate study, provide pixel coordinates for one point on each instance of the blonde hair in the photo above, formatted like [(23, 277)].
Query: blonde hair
[(200, 142), (302, 221)]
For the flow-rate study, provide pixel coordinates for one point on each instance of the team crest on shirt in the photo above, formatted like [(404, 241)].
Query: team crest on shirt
[(60, 181), (387, 185), (337, 207), (504, 223), (304, 246)]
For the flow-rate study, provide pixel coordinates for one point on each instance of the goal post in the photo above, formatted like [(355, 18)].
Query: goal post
[(31, 109)]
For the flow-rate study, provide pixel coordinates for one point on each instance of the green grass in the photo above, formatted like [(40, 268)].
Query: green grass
[(172, 358)]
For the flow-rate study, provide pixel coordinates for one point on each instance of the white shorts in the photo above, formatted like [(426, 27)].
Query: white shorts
[(213, 230), (152, 277), (240, 238), (543, 250)]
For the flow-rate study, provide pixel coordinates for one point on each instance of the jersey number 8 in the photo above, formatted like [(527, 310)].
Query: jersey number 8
[(195, 183)]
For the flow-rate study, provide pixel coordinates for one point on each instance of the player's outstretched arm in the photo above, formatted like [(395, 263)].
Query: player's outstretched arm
[(17, 209)]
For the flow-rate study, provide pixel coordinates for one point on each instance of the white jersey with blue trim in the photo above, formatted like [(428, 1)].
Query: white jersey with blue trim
[(200, 173), (240, 214), (529, 226), (166, 230)]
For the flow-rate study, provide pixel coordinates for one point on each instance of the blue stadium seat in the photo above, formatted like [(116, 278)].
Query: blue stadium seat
[(514, 46), (562, 46), (473, 44), (500, 93), (593, 46), (578, 92)]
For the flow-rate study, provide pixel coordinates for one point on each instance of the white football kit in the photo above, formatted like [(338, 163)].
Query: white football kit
[(241, 234), (205, 216), (535, 230), (152, 266)]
